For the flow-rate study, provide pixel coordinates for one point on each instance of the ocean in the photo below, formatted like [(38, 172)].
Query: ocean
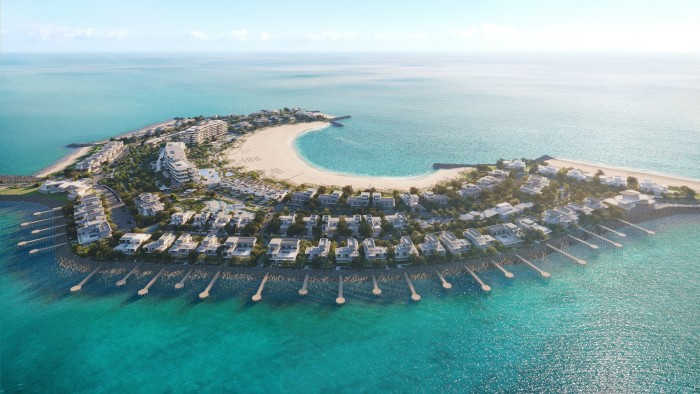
[(625, 322), (408, 111)]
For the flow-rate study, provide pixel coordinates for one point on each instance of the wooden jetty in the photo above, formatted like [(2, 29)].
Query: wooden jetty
[(144, 291), (507, 273), (41, 230), (590, 245), (258, 296), (49, 211), (576, 259), (534, 267), (340, 300), (53, 218), (615, 244), (122, 281), (40, 240), (484, 286), (650, 232), (304, 291), (79, 286), (376, 290), (205, 293), (179, 285), (414, 296), (48, 248), (445, 284), (619, 234)]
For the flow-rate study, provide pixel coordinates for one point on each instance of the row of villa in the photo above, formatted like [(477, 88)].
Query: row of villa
[(91, 220), (216, 220), (615, 181), (106, 154), (329, 224)]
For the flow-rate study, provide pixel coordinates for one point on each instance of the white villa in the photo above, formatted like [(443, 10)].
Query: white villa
[(183, 245), (201, 219), (488, 182), (281, 250), (560, 215), (129, 243), (321, 250), (516, 164), (478, 239), (529, 223), (286, 221), (239, 247), (330, 198), (548, 170), (220, 220), (74, 189), (506, 233), (302, 197), (615, 181), (439, 199), (180, 218), (148, 204), (534, 185), (345, 254), (209, 246), (372, 251), (405, 249), (470, 190), (579, 175), (383, 202), (106, 154), (455, 245), (654, 188), (431, 246), (411, 200), (162, 244), (632, 200), (359, 201), (253, 187), (398, 220)]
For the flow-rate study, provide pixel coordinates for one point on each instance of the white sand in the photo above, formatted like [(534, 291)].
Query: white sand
[(640, 175), (271, 150), (64, 162)]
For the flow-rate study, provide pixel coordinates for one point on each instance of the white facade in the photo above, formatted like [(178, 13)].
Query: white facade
[(162, 244), (548, 171), (372, 251), (206, 131), (129, 243), (106, 154), (411, 200), (180, 218), (654, 188), (148, 204), (534, 185), (281, 250), (345, 254), (632, 200), (439, 199), (479, 240), (470, 190), (455, 245), (180, 169), (330, 198), (320, 250), (301, 197), (239, 247), (405, 249), (183, 245), (431, 246), (529, 223), (560, 215), (506, 233), (210, 245)]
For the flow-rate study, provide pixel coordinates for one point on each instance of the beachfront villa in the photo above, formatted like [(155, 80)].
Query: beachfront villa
[(201, 219), (162, 244), (148, 204), (210, 245), (302, 197), (174, 159), (431, 246), (439, 199), (239, 247), (372, 251), (516, 164), (412, 201), (181, 218), (183, 245), (470, 190), (359, 201), (534, 185), (383, 202), (286, 221), (506, 233), (74, 189), (398, 220), (529, 223), (206, 131), (281, 250), (405, 249), (455, 245), (345, 254), (106, 154), (614, 181), (550, 171), (505, 210), (321, 250), (129, 243), (488, 182), (328, 199), (90, 220), (560, 215), (220, 219), (253, 187), (579, 175), (478, 239), (594, 203), (654, 188), (632, 200)]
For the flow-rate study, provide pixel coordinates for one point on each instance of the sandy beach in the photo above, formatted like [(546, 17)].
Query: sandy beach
[(272, 151), (64, 162), (640, 175)]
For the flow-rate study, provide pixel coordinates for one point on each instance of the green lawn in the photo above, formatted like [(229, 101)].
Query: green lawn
[(32, 191)]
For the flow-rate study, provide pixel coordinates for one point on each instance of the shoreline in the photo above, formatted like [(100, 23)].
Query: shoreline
[(72, 157), (271, 150), (670, 180)]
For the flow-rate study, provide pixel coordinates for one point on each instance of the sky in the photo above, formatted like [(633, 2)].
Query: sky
[(671, 26)]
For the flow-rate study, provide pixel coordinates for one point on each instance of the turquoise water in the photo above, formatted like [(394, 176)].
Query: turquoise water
[(409, 111), (626, 322)]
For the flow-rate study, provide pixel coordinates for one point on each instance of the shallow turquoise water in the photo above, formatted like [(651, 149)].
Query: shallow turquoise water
[(408, 111), (626, 322)]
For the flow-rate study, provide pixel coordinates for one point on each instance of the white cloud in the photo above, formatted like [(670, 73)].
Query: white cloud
[(491, 31), (264, 36), (117, 34), (199, 35), (330, 35), (52, 32), (238, 35), (464, 34)]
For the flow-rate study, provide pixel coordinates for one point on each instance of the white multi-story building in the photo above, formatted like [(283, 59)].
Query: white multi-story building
[(302, 197), (239, 247), (478, 239), (148, 204), (534, 185), (489, 182), (560, 215), (105, 155), (90, 220), (206, 131), (506, 233), (614, 181), (439, 199), (73, 189), (455, 245), (320, 250), (330, 198), (180, 218), (210, 245), (382, 202), (398, 220), (411, 200), (162, 244), (345, 254), (183, 245), (405, 249), (281, 250), (548, 171), (286, 221), (656, 189), (201, 219), (372, 251), (431, 246), (220, 220), (470, 190), (129, 243), (528, 223), (180, 169)]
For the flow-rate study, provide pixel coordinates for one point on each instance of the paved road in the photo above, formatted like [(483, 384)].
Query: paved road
[(120, 212)]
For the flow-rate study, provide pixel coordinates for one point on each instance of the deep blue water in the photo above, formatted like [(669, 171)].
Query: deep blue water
[(626, 322), (409, 111)]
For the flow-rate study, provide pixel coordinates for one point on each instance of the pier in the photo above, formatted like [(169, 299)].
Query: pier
[(376, 290), (334, 121), (414, 296), (304, 291), (144, 291), (40, 240), (507, 273), (49, 211), (445, 284), (340, 300), (179, 285), (544, 274), (54, 218), (615, 244), (650, 232), (484, 286), (619, 234), (590, 245), (48, 248), (205, 293), (122, 281), (79, 286), (258, 296), (576, 259), (41, 230)]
